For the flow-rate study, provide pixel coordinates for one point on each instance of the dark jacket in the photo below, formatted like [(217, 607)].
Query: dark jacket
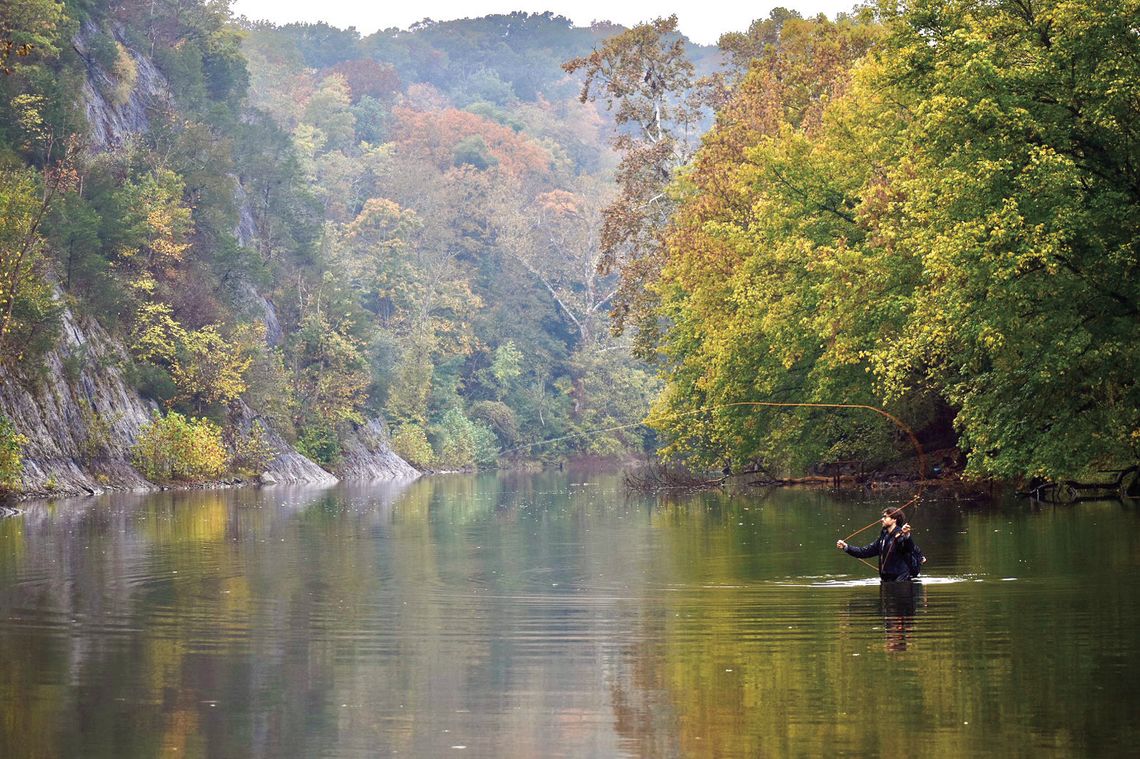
[(893, 551)]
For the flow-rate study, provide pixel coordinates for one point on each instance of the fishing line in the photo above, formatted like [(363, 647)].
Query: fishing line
[(778, 404), (898, 423)]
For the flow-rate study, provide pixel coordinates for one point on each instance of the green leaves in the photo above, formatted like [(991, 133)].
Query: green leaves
[(961, 223), (10, 455)]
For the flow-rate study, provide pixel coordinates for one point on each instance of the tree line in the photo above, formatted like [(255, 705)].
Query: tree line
[(316, 227), (499, 231), (929, 207)]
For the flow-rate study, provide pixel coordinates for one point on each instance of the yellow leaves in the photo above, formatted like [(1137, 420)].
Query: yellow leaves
[(11, 466), (156, 335), (209, 369), (161, 223), (991, 338), (383, 224), (411, 443), (166, 225), (30, 121), (206, 367), (125, 73), (177, 448)]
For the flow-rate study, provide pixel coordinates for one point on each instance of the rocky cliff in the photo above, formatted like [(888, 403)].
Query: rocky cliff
[(79, 415), (365, 455)]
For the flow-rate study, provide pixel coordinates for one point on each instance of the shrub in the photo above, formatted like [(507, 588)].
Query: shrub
[(411, 443), (250, 455), (125, 75), (11, 463), (175, 448), (499, 417), (98, 429), (455, 440), (320, 443), (103, 49), (486, 445), (73, 362)]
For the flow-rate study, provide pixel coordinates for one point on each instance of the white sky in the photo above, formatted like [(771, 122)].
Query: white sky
[(702, 22)]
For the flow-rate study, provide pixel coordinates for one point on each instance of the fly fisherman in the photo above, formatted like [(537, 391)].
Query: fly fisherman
[(899, 558)]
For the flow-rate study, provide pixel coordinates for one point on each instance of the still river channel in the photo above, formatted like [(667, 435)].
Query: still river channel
[(545, 615)]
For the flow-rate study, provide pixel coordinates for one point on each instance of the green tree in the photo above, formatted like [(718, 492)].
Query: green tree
[(23, 296), (970, 181), (29, 30), (330, 372), (1020, 195), (505, 368), (329, 110)]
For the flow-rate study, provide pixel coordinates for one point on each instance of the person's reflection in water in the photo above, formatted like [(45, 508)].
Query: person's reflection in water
[(899, 602)]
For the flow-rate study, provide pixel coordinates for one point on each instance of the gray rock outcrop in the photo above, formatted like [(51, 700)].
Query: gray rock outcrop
[(77, 408), (365, 455)]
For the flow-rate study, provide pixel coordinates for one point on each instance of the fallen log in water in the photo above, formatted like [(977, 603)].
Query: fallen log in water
[(652, 477)]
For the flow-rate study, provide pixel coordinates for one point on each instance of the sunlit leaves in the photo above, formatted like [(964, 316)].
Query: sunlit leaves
[(174, 448), (957, 221)]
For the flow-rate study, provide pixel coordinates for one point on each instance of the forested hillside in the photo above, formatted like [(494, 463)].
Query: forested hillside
[(474, 236), (311, 229)]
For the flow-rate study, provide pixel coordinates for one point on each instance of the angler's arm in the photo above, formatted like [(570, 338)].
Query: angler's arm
[(903, 544), (863, 552)]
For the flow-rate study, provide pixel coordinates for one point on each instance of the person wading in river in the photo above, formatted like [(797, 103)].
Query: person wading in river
[(893, 547)]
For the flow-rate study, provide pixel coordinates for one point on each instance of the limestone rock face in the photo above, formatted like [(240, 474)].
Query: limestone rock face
[(365, 455), (112, 120), (288, 467), (77, 407)]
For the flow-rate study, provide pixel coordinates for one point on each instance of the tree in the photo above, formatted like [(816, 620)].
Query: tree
[(25, 200), (369, 78), (11, 467), (27, 27), (643, 74), (1020, 195), (209, 369), (556, 238), (157, 225), (764, 207), (330, 372), (329, 110), (959, 182)]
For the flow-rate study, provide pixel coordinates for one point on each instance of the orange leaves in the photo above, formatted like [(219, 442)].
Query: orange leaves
[(435, 134), (560, 203)]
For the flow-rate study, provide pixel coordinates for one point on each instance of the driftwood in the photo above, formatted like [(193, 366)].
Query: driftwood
[(653, 477), (1125, 484)]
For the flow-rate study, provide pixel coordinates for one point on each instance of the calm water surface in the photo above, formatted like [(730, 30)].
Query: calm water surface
[(555, 615)]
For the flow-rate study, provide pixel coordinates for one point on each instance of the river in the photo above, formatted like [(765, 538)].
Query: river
[(554, 614)]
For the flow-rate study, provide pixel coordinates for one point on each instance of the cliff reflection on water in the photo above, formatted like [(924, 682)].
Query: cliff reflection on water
[(555, 615)]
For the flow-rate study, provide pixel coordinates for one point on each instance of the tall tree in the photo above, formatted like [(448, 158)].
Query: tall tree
[(643, 76)]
